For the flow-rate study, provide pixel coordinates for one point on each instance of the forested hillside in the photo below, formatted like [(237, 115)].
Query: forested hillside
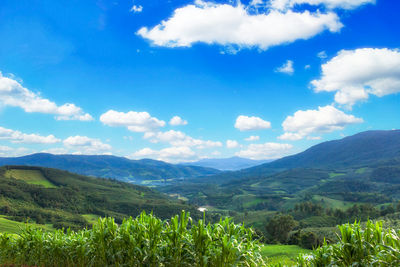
[(64, 199), (112, 167)]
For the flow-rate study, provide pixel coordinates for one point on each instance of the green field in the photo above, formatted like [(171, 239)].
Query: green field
[(91, 218), (30, 176), (335, 174), (332, 203), (14, 227), (283, 254)]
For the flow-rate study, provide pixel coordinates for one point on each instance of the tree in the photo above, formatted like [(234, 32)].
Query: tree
[(279, 227)]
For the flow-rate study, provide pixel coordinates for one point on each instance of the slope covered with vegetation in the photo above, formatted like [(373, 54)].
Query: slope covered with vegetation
[(112, 167), (354, 178), (63, 199), (371, 148)]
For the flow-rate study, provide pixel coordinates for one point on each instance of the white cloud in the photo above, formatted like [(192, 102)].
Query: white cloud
[(265, 151), (322, 55), (136, 8), (12, 93), (86, 145), (228, 25), (256, 2), (180, 139), (252, 138), (169, 154), (19, 137), (344, 4), (216, 153), (356, 74), (6, 151), (176, 121), (245, 123), (306, 67), (134, 121), (286, 68), (325, 119), (314, 138), (232, 144), (56, 150)]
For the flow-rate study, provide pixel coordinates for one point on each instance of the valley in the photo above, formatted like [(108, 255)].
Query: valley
[(307, 193)]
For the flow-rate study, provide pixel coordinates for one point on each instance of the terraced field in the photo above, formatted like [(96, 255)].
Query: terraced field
[(30, 176)]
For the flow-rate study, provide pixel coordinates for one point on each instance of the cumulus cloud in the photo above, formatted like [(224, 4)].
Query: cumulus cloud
[(232, 144), (56, 150), (19, 137), (252, 138), (136, 9), (86, 145), (12, 93), (134, 121), (331, 4), (325, 119), (180, 139), (246, 123), (286, 68), (229, 25), (322, 55), (265, 151), (169, 154), (176, 121), (6, 151), (356, 74)]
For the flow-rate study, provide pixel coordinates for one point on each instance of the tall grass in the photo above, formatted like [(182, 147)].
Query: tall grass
[(358, 246), (144, 241)]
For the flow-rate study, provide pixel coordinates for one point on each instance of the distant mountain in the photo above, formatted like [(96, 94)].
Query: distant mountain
[(363, 168), (227, 164), (111, 167), (362, 148), (365, 148)]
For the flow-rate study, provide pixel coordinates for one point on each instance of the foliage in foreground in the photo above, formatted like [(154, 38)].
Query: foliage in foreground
[(144, 241), (371, 245)]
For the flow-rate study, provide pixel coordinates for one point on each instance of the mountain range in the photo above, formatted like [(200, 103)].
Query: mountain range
[(106, 166), (226, 164), (363, 168)]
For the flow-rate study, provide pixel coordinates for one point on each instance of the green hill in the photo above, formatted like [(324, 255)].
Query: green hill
[(119, 168), (371, 148), (63, 199), (363, 169)]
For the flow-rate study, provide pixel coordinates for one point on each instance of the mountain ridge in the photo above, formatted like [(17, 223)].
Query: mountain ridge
[(107, 166), (226, 164)]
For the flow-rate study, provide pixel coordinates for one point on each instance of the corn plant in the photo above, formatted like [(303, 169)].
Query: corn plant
[(358, 246), (143, 241)]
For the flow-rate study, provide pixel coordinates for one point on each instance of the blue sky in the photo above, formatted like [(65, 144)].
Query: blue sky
[(107, 77)]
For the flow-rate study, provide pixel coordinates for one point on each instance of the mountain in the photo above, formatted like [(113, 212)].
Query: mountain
[(365, 148), (362, 148), (362, 168), (227, 164), (111, 167), (63, 199)]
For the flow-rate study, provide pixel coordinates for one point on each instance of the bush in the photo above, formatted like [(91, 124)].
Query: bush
[(144, 241), (371, 246)]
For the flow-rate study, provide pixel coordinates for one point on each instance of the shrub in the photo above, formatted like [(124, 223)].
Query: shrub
[(144, 241), (357, 246)]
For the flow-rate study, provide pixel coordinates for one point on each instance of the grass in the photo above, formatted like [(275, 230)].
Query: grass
[(284, 254), (13, 227), (30, 176), (332, 203), (361, 170), (335, 174), (91, 218)]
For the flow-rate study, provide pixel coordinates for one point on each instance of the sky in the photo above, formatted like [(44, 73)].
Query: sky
[(184, 80)]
